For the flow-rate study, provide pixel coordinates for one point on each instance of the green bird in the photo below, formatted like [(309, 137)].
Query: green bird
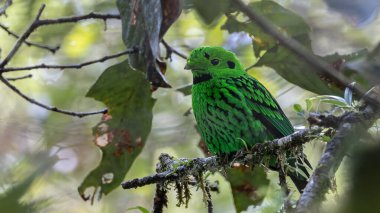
[(233, 110)]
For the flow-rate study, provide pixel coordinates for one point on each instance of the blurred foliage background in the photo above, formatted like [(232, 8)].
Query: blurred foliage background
[(44, 156)]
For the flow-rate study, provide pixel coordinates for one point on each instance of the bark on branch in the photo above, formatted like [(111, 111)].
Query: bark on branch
[(178, 169), (352, 126)]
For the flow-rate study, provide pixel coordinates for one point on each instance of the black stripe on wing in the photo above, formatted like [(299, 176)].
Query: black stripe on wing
[(269, 113)]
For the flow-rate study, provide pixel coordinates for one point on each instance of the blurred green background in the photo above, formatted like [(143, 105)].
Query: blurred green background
[(53, 152)]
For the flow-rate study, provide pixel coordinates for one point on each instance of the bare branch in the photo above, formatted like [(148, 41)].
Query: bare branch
[(23, 37), (71, 66), (19, 78), (71, 19), (5, 7), (42, 46), (170, 50), (38, 22), (50, 108), (250, 67)]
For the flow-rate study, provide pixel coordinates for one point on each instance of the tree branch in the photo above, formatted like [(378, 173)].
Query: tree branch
[(70, 19), (198, 165), (170, 50), (352, 126), (50, 108), (70, 66), (299, 50), (38, 23), (5, 7), (42, 46), (19, 78), (23, 37)]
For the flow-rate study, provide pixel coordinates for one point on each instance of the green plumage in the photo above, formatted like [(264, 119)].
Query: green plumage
[(232, 109)]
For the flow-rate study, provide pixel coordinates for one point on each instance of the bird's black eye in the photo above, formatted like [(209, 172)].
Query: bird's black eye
[(207, 56), (215, 61), (231, 64)]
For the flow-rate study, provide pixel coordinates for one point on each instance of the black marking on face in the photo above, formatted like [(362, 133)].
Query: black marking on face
[(207, 56), (201, 78), (215, 61), (231, 64)]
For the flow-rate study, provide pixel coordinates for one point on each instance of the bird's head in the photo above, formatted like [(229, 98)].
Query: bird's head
[(214, 61)]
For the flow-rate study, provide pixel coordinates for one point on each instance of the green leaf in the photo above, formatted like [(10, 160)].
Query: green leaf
[(141, 28), (11, 199), (293, 68), (342, 64), (348, 93), (186, 90), (122, 133), (365, 70), (273, 200), (210, 11), (331, 99), (309, 104), (248, 186), (142, 209), (297, 71), (297, 107), (287, 22)]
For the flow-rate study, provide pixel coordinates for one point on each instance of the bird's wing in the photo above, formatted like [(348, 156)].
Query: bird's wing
[(262, 104)]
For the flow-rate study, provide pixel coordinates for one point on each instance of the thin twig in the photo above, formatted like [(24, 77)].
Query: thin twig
[(38, 23), (70, 66), (42, 46), (23, 37), (50, 108), (70, 19), (250, 67), (4, 8), (19, 78), (170, 50)]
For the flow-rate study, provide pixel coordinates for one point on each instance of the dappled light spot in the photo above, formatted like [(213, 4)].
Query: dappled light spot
[(102, 140), (107, 178), (78, 42)]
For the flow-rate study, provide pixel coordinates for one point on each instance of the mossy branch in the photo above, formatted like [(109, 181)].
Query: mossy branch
[(181, 170)]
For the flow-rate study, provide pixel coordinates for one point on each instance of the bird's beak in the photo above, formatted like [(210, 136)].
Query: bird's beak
[(187, 67)]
